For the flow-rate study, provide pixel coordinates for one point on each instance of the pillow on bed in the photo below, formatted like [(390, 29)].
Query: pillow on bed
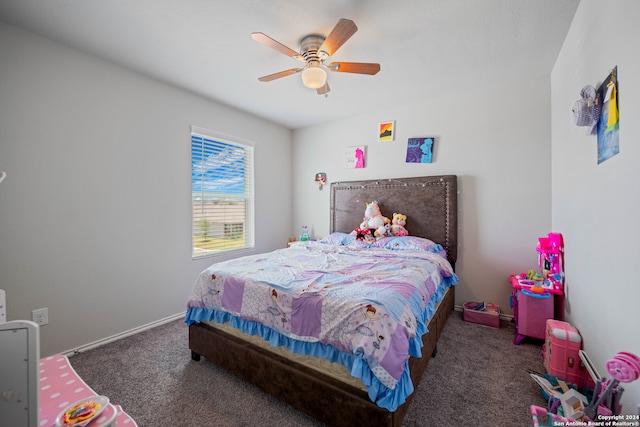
[(356, 243), (408, 243), (338, 238), (343, 239)]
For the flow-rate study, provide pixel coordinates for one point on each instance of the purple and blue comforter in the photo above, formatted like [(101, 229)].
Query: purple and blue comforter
[(365, 308)]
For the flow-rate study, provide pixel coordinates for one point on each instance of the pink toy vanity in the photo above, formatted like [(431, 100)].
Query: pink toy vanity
[(536, 298)]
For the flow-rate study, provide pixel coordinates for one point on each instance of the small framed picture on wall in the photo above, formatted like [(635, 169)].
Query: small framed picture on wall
[(420, 150), (354, 157), (386, 131), (608, 126)]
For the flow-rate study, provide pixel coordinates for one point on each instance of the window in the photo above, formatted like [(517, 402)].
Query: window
[(221, 194)]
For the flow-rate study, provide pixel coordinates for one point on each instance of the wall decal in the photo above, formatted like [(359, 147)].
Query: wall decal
[(320, 179)]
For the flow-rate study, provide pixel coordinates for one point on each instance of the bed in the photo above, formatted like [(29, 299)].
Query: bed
[(375, 393)]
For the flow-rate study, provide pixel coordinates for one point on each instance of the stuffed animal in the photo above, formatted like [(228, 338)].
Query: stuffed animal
[(397, 225), (364, 234), (373, 219)]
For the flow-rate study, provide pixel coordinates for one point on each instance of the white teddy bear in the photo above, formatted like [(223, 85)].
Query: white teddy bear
[(373, 219)]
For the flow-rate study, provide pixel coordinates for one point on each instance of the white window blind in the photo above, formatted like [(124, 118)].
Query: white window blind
[(221, 193)]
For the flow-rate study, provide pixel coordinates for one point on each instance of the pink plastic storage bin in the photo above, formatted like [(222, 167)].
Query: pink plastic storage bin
[(490, 316), (533, 311), (561, 347)]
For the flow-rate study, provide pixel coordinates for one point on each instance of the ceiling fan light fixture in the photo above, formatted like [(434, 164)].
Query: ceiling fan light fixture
[(314, 77), (315, 49)]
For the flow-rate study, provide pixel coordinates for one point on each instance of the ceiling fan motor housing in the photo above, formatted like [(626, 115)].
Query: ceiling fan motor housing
[(310, 49)]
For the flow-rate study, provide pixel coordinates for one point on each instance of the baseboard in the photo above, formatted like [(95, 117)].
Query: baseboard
[(124, 334), (151, 325), (503, 316)]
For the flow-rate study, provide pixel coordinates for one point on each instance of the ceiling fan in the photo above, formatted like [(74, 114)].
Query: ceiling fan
[(314, 51)]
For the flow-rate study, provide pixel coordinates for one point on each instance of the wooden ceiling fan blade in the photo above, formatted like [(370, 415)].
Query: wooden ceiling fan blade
[(273, 44), (355, 67), (324, 89), (343, 30), (274, 76)]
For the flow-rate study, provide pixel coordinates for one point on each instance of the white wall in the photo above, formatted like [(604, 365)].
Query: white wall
[(596, 206), (497, 140), (95, 210)]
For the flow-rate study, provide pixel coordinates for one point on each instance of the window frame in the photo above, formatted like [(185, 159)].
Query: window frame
[(228, 229)]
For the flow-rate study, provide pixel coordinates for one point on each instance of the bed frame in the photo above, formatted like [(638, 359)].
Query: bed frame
[(430, 204)]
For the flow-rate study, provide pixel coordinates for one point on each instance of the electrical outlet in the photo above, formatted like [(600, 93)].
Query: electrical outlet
[(40, 316), (3, 306)]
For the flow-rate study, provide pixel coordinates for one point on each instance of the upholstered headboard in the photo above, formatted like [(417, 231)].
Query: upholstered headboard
[(429, 202)]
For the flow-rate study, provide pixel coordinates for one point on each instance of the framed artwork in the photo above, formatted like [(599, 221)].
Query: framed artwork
[(608, 124), (386, 131), (420, 150), (354, 157)]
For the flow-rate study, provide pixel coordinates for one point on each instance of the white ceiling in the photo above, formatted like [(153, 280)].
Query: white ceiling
[(425, 47)]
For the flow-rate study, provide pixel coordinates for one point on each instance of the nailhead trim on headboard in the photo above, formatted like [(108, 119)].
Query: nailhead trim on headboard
[(430, 203)]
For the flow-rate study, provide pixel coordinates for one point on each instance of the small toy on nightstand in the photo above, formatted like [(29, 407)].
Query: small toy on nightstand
[(304, 234)]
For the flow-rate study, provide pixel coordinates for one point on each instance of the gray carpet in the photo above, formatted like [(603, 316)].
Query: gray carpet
[(477, 378)]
